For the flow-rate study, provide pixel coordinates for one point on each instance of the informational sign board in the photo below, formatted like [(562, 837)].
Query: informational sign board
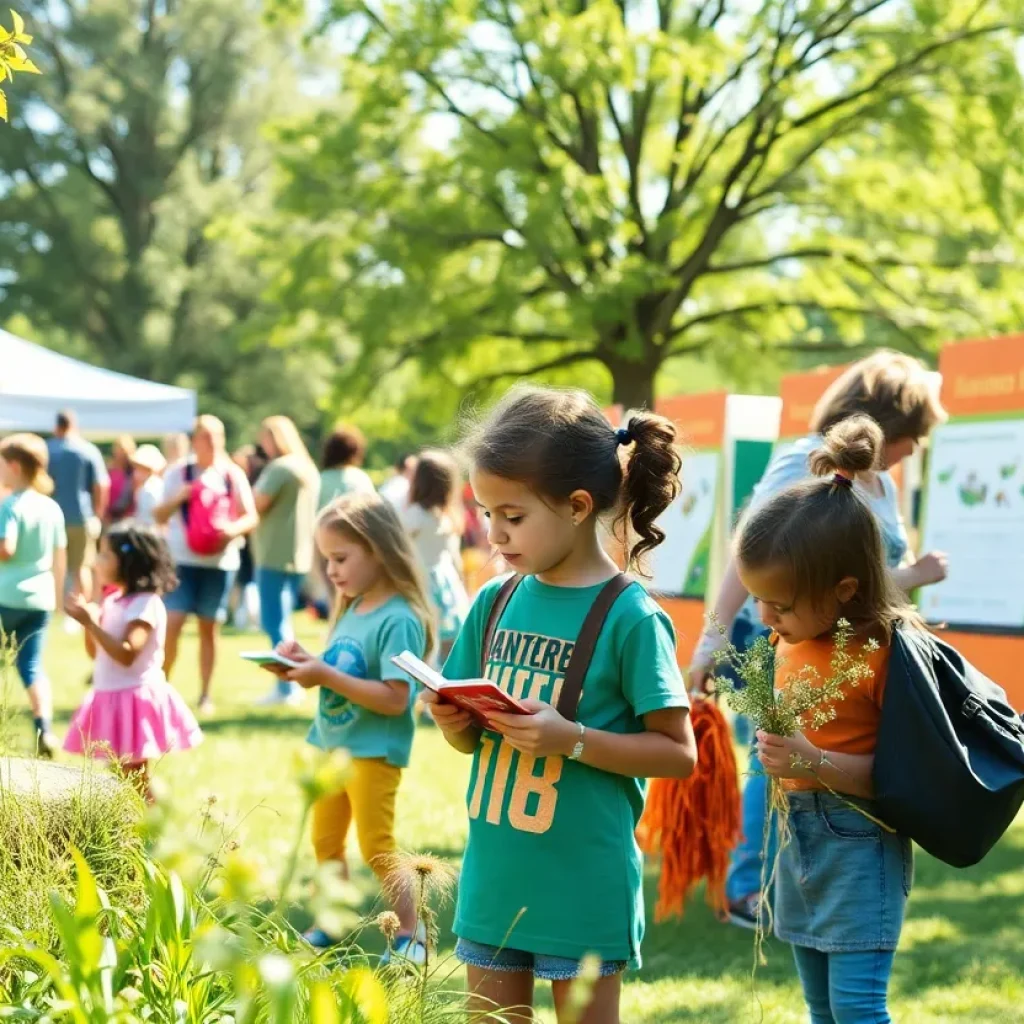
[(726, 441), (800, 393), (975, 514), (974, 498), (681, 564)]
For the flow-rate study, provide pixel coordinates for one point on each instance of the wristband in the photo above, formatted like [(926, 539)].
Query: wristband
[(577, 751)]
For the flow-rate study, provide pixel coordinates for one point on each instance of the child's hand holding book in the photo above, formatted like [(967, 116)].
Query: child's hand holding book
[(449, 718), (480, 699)]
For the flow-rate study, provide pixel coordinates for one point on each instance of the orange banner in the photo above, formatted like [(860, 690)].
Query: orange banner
[(800, 393), (700, 419), (613, 414), (984, 375)]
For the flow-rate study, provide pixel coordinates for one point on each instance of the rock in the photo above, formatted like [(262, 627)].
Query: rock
[(34, 779)]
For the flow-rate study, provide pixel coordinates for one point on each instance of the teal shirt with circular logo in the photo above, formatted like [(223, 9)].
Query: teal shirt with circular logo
[(363, 646)]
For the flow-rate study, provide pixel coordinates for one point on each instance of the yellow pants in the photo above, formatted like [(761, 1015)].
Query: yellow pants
[(369, 798)]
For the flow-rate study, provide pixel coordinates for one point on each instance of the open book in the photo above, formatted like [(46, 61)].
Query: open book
[(480, 697)]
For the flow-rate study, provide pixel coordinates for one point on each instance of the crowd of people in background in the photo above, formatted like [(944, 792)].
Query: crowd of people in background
[(268, 494), (821, 543)]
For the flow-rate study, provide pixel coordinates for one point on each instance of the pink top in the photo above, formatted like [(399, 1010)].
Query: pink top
[(148, 667)]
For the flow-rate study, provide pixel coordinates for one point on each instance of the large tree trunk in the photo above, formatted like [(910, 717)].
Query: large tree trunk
[(633, 382)]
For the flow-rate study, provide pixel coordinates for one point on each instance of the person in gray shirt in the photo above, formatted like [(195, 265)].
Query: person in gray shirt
[(81, 489)]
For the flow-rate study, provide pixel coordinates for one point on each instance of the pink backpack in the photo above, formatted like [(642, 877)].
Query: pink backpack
[(206, 513)]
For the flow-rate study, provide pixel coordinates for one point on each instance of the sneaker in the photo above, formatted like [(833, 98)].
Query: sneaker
[(408, 950), (277, 699), (205, 707), (273, 699), (46, 745), (319, 939), (746, 912)]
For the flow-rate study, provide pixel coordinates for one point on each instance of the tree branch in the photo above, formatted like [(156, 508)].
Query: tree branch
[(774, 306), (528, 337), (568, 359), (825, 253), (893, 71)]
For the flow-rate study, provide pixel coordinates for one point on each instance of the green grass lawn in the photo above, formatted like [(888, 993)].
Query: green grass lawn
[(961, 958)]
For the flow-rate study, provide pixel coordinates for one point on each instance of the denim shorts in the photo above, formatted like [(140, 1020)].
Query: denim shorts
[(517, 961), (843, 880), (26, 628), (200, 591)]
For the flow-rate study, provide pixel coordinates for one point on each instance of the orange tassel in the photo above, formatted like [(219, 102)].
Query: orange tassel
[(693, 824)]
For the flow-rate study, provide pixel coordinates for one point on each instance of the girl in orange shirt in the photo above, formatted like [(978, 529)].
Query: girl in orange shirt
[(811, 556)]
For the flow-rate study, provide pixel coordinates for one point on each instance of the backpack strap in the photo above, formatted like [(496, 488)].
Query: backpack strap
[(508, 588), (583, 652), (190, 475)]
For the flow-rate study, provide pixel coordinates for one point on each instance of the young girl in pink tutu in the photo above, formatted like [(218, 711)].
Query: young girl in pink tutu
[(131, 714)]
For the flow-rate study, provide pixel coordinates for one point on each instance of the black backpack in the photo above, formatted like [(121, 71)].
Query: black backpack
[(949, 763)]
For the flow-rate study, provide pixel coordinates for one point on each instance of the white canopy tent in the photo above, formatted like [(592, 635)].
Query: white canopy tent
[(36, 384)]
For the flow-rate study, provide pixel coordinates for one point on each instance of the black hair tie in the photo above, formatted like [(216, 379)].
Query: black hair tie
[(842, 480), (623, 436)]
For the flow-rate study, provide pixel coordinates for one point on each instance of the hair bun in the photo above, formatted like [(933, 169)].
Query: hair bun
[(852, 446)]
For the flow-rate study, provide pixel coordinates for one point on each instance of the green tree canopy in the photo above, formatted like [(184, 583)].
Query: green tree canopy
[(512, 187), (143, 136)]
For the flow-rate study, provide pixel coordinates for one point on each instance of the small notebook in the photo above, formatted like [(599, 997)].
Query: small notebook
[(480, 697), (268, 658)]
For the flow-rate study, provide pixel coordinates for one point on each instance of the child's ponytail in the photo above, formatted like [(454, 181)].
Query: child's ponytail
[(558, 442), (651, 481), (822, 531), (850, 447)]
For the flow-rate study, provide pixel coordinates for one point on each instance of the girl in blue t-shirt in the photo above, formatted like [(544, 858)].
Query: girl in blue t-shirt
[(551, 870), (365, 703)]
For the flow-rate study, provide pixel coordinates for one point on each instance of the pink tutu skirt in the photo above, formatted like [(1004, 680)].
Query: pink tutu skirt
[(133, 725)]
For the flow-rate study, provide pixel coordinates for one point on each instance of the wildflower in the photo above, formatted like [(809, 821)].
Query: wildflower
[(276, 971), (389, 925), (427, 875), (13, 57), (320, 775)]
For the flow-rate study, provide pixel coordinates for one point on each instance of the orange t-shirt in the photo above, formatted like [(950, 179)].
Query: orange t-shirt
[(854, 730)]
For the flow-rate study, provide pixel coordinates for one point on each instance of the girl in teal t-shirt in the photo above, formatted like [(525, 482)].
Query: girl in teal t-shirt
[(552, 871), (33, 561), (365, 702)]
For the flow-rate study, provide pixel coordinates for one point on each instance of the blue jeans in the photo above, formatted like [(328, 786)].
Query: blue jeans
[(517, 961), (747, 861), (845, 988), (26, 629), (201, 591), (279, 596)]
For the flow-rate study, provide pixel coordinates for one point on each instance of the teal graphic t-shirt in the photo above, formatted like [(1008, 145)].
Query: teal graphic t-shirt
[(363, 646), (551, 864), (32, 526)]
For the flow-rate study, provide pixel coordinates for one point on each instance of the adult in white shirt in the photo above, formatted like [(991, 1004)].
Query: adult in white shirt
[(433, 519), (148, 465), (395, 490), (203, 580)]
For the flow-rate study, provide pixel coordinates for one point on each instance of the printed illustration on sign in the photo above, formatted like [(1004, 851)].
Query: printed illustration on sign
[(975, 513), (680, 565)]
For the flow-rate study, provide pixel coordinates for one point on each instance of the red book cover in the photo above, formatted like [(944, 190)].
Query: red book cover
[(480, 697)]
